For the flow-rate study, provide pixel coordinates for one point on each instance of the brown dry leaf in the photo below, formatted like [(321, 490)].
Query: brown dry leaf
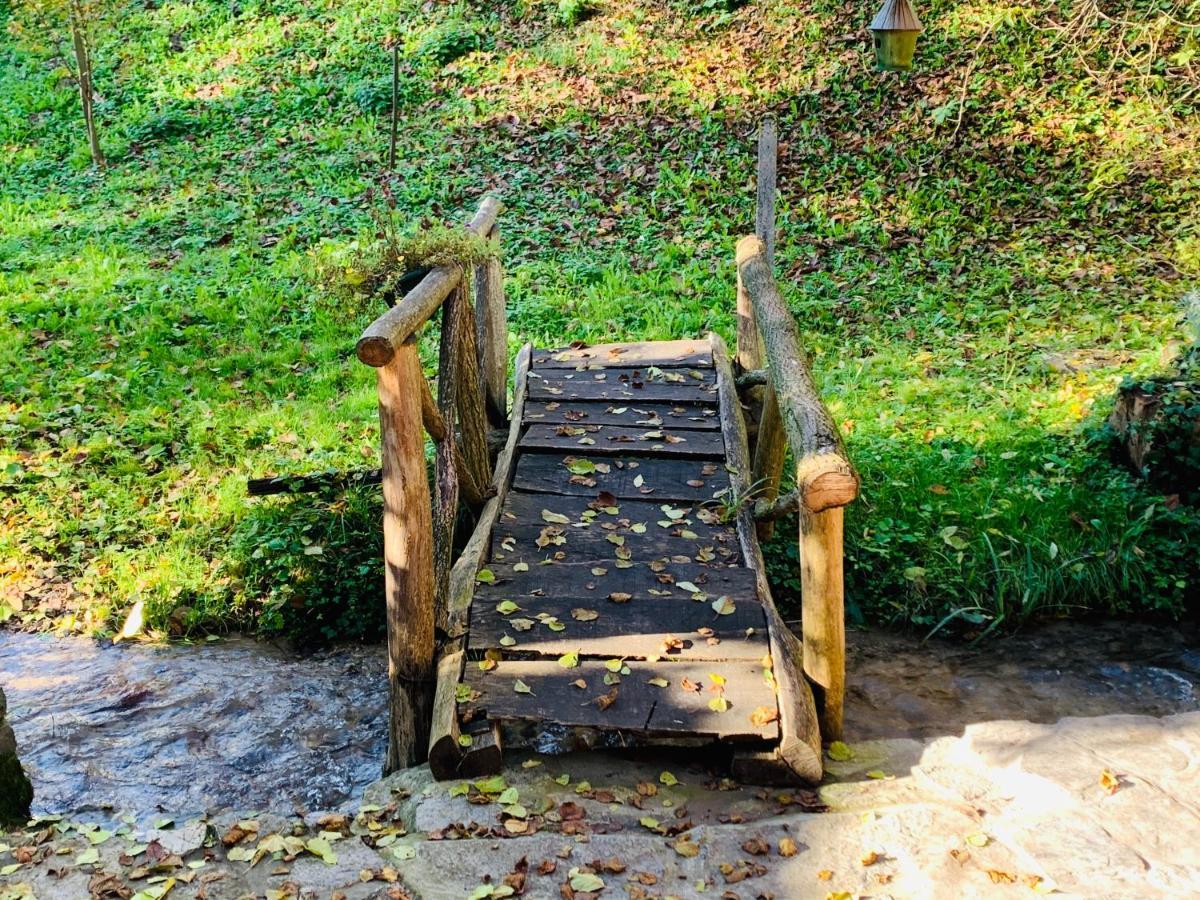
[(763, 715), (686, 848), (604, 701), (788, 847), (647, 789), (960, 855), (825, 874), (756, 846), (620, 597), (870, 858), (579, 614), (999, 877), (671, 643), (611, 866), (688, 685), (547, 867)]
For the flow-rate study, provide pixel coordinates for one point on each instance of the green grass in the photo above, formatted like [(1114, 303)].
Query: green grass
[(1030, 188)]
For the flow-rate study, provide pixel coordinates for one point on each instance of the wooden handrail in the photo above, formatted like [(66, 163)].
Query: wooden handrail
[(825, 477), (382, 338), (419, 529)]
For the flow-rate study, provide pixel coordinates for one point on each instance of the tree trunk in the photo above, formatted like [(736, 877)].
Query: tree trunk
[(83, 61)]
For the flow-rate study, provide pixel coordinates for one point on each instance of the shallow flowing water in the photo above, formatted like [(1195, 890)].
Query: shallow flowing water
[(188, 729)]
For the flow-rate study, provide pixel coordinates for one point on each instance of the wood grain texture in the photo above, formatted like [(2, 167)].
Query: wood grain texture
[(641, 581), (639, 705), (610, 439), (647, 529), (823, 613), (825, 476), (625, 385), (491, 335), (408, 558), (462, 575), (634, 629), (799, 730), (469, 402), (627, 478), (653, 353), (628, 415), (770, 448)]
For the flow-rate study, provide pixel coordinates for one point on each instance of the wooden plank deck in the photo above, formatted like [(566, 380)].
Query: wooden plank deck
[(617, 598)]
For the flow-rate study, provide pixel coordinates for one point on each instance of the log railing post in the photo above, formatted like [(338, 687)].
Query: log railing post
[(408, 557), (770, 443), (491, 332), (825, 481), (469, 400), (823, 613)]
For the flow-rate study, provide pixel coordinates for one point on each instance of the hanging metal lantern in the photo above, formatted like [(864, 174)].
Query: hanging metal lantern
[(895, 28)]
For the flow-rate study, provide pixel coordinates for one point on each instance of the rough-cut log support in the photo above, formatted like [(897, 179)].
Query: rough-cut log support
[(491, 324), (448, 757), (408, 557), (825, 480), (823, 616), (447, 460), (468, 399), (824, 476), (770, 447), (764, 210), (799, 751)]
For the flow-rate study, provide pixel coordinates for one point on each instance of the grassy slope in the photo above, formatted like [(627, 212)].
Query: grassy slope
[(161, 338)]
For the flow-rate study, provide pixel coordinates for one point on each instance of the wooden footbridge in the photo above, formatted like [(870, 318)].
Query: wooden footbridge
[(586, 570)]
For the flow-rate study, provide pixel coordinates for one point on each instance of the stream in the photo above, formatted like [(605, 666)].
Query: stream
[(188, 729)]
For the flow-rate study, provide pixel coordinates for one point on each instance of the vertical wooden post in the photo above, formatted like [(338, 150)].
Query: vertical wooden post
[(822, 614), (445, 465), (769, 451), (472, 419), (764, 213), (408, 557), (491, 328)]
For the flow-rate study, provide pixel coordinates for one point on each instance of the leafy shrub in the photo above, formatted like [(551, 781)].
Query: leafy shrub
[(450, 41), (314, 565), (570, 12), (377, 270)]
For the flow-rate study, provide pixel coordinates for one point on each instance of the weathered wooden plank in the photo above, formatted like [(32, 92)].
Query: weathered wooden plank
[(593, 582), (462, 575), (639, 415), (637, 704), (799, 731), (529, 528), (651, 353), (682, 386), (674, 629), (625, 478), (610, 439), (565, 543)]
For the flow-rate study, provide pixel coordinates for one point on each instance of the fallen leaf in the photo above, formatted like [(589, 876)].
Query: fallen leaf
[(521, 687), (788, 847), (839, 752), (763, 715)]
